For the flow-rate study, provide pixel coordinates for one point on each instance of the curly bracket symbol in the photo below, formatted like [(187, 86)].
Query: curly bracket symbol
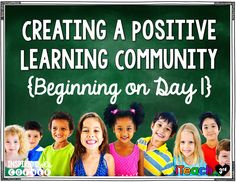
[(30, 86), (208, 86)]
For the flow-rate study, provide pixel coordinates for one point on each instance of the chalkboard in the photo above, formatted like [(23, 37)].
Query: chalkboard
[(22, 105)]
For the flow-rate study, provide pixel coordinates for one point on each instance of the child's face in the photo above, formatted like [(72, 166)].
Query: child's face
[(187, 144), (60, 130), (34, 138), (124, 129), (91, 135), (12, 144), (210, 129), (224, 157), (161, 130)]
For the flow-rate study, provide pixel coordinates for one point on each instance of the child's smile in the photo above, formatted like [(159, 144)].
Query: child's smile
[(124, 138), (187, 144), (161, 130), (91, 136), (210, 129), (160, 135), (60, 130), (91, 142), (124, 129)]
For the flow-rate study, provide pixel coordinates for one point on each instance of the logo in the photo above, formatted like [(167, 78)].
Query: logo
[(197, 171), (222, 170)]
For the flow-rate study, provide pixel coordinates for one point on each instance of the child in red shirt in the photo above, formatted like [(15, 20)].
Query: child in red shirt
[(210, 126)]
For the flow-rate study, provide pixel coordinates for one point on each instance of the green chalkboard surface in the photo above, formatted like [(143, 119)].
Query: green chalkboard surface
[(42, 52)]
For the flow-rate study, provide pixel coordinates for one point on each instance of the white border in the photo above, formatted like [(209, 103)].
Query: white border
[(121, 2)]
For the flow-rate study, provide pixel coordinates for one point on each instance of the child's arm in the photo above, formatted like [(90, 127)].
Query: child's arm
[(110, 164), (168, 169), (140, 163)]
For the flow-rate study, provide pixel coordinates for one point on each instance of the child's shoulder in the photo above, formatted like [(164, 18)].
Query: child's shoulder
[(38, 148), (108, 157), (68, 148), (165, 151), (71, 148), (143, 140), (70, 145), (111, 144), (143, 143), (178, 160), (48, 147), (202, 162)]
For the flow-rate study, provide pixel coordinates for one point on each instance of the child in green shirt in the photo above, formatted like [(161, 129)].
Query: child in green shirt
[(55, 159)]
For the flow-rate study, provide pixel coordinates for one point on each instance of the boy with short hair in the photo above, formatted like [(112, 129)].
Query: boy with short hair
[(210, 127), (223, 154), (34, 132), (158, 160), (55, 159)]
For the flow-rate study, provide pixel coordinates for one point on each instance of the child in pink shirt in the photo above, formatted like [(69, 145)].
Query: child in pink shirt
[(128, 158)]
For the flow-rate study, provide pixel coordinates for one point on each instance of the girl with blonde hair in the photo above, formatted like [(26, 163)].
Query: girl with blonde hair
[(16, 149), (188, 152)]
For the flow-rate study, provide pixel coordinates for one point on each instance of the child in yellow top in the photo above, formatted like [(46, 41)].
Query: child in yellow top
[(158, 160)]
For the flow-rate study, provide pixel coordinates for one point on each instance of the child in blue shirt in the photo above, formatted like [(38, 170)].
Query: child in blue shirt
[(34, 132), (188, 155)]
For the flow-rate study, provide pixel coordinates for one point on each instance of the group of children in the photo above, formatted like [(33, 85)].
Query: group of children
[(92, 155)]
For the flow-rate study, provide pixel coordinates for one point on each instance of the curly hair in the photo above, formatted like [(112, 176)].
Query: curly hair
[(20, 131), (62, 115), (135, 113)]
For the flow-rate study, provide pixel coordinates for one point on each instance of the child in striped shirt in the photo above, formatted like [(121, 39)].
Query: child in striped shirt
[(158, 161)]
